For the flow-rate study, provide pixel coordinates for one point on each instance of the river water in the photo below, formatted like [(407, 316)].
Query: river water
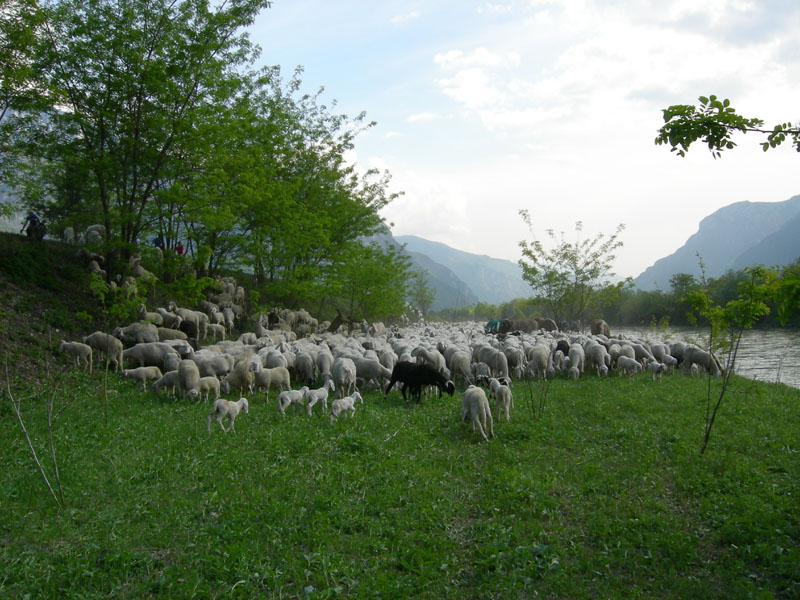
[(770, 355)]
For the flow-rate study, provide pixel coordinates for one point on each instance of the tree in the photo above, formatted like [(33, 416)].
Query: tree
[(566, 278), (369, 282), (133, 76), (420, 294), (714, 122), (727, 324)]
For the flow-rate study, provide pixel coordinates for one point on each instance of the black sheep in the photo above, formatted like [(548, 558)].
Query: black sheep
[(415, 376)]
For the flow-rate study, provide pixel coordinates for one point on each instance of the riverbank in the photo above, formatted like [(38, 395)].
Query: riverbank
[(767, 355)]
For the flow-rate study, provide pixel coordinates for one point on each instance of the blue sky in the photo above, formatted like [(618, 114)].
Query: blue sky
[(485, 108)]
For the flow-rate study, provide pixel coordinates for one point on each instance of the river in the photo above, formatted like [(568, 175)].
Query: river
[(770, 355)]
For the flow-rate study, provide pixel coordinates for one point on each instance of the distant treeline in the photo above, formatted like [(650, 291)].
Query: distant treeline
[(628, 306)]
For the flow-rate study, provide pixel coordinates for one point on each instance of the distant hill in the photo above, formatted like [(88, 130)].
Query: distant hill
[(492, 280), (735, 236)]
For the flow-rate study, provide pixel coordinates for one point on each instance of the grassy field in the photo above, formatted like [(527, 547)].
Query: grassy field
[(605, 496)]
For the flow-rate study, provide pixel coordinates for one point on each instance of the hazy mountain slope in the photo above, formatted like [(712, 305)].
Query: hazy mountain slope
[(451, 292), (780, 248), (492, 280), (723, 237)]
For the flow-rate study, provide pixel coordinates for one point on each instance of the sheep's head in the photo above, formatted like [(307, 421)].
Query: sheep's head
[(245, 405), (449, 387)]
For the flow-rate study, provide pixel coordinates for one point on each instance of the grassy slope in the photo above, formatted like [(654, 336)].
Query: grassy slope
[(605, 496)]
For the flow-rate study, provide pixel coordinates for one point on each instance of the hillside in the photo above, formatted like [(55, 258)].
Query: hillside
[(42, 287), (492, 280), (733, 237)]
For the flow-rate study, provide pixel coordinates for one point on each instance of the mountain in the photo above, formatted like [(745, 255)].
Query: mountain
[(459, 278), (492, 280), (735, 236)]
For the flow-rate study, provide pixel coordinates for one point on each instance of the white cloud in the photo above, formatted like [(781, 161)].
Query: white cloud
[(424, 116), (410, 16)]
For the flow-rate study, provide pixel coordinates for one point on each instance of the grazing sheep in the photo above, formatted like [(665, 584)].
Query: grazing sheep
[(628, 366), (136, 333), (304, 365), (577, 357), (343, 372), (212, 363), (188, 378), (243, 374), (345, 405), (143, 374), (166, 334), (693, 355), (415, 376), (79, 352), (152, 354), (475, 405), (597, 356), (573, 372), (226, 408), (539, 361), (502, 395), (150, 317), (206, 385), (460, 368), (168, 381), (656, 369), (108, 345), (266, 378), (169, 319), (216, 330), (372, 370)]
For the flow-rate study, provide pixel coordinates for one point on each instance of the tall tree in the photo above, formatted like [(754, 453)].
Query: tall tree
[(134, 74), (567, 277)]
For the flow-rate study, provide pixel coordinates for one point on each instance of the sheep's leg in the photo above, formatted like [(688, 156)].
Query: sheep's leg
[(476, 426), (310, 405)]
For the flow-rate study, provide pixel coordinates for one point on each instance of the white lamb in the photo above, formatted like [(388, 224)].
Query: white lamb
[(503, 396), (143, 374), (169, 381), (226, 408), (628, 366), (290, 397), (208, 384), (318, 395), (79, 353), (345, 405), (656, 369), (475, 405)]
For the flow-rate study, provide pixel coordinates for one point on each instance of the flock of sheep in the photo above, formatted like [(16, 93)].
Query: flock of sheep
[(169, 347)]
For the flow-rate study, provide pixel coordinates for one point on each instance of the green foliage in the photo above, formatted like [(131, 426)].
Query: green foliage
[(187, 290), (566, 278), (714, 122)]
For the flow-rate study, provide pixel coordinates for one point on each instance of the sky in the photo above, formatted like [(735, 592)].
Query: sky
[(552, 106)]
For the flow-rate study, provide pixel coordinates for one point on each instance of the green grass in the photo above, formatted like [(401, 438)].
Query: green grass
[(606, 496)]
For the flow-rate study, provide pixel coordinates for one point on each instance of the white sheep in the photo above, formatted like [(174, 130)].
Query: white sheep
[(149, 354), (169, 319), (188, 378), (243, 374), (573, 372), (108, 345), (656, 369), (343, 372), (266, 378), (475, 405), (168, 381), (289, 397), (79, 352), (345, 405), (502, 395), (216, 330), (318, 395), (206, 385), (226, 408), (577, 357), (628, 366), (143, 374), (151, 317)]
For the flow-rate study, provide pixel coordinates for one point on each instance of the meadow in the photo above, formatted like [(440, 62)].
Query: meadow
[(602, 495)]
